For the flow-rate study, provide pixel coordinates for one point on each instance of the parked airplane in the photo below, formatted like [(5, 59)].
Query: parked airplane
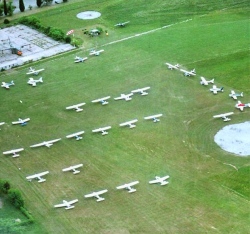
[(33, 82), (102, 100), (96, 53), (171, 67), (68, 204), (224, 116), (79, 59), (102, 130), (188, 73), (96, 195), (23, 122), (14, 152), (129, 186), (235, 95), (122, 24), (206, 82), (241, 105), (7, 85), (33, 71), (154, 117), (215, 90), (73, 168), (129, 123), (2, 123), (126, 97), (161, 180), (141, 91), (38, 176), (76, 107), (76, 135), (46, 143)]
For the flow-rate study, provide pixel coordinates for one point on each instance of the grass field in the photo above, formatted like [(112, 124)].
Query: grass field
[(204, 195)]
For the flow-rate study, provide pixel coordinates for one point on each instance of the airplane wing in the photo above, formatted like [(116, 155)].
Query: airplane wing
[(119, 98), (72, 202), (75, 134), (155, 181), (101, 192), (53, 141), (61, 205), (13, 151), (39, 144)]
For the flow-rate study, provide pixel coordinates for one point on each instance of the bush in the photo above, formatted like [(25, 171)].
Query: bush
[(56, 34), (68, 39), (6, 21), (15, 198), (4, 186)]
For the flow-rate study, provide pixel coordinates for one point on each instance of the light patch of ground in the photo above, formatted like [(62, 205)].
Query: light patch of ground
[(86, 15), (235, 138)]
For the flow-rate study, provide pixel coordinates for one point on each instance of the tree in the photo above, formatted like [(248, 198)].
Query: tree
[(4, 186), (15, 198), (39, 3), (5, 9), (21, 6)]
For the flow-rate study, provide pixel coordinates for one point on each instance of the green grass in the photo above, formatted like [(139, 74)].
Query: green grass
[(205, 195)]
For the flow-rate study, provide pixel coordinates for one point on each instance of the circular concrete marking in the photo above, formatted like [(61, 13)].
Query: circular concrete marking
[(88, 15)]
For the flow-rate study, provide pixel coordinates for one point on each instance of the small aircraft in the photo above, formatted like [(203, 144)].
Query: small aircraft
[(122, 24), (76, 107), (241, 105), (215, 90), (126, 97), (68, 204), (79, 59), (96, 195), (33, 71), (129, 186), (206, 82), (161, 180), (235, 95), (102, 130), (189, 73), (154, 117), (46, 143), (141, 91), (224, 116), (33, 82), (73, 168), (96, 53), (76, 135), (130, 124), (14, 152), (37, 176), (102, 100), (7, 85), (23, 122), (171, 67), (2, 123)]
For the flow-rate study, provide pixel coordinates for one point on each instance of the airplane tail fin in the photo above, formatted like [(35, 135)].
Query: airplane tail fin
[(212, 81), (222, 88), (41, 79), (241, 94), (193, 70), (12, 82)]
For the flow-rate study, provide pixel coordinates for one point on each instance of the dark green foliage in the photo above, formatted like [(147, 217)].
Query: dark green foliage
[(21, 6), (4, 186), (65, 0), (5, 9), (6, 21), (67, 39), (56, 34), (39, 3), (10, 226), (27, 214), (15, 198)]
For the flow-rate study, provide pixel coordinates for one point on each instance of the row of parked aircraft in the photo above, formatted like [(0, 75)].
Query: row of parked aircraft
[(92, 52), (214, 89)]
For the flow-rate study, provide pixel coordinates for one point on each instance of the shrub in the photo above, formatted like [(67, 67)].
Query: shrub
[(15, 198), (68, 39), (6, 21), (4, 186)]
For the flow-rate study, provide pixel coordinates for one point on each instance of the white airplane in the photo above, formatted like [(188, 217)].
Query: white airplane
[(38, 176), (76, 107), (96, 195), (76, 135), (102, 130), (73, 168), (23, 122), (206, 82), (171, 67), (7, 85), (154, 117), (79, 59), (68, 204), (46, 143), (224, 116), (2, 123), (33, 71), (141, 91), (241, 105), (14, 152), (96, 53), (130, 124), (235, 95), (161, 180), (129, 186), (102, 100), (33, 82), (215, 90), (122, 24), (126, 97), (188, 73)]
